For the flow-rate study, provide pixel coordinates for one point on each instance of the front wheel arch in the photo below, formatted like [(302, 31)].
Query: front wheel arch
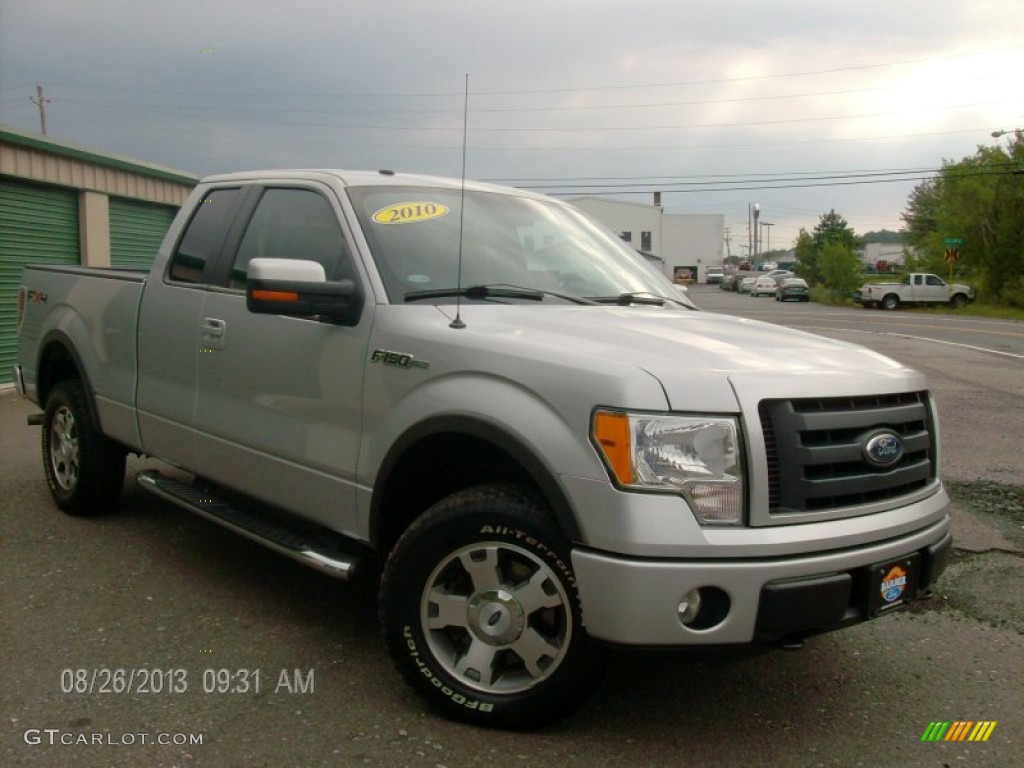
[(425, 458)]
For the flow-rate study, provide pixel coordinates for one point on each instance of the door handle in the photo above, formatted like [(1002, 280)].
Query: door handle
[(213, 326), (211, 333)]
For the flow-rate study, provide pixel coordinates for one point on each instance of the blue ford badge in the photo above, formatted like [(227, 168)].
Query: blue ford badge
[(883, 449)]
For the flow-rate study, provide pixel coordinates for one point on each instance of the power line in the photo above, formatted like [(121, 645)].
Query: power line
[(492, 110), (571, 129), (578, 89), (557, 190)]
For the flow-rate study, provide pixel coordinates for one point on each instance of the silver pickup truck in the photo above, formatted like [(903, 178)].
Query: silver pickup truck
[(478, 396)]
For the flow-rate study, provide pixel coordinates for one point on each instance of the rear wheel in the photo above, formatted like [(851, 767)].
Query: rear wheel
[(481, 613), (84, 469)]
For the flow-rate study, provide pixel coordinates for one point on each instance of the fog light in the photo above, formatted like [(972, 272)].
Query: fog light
[(704, 608), (689, 607)]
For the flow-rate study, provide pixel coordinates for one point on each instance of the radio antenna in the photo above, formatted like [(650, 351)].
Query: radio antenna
[(457, 322)]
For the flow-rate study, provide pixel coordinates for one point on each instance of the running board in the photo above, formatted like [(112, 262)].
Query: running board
[(324, 552)]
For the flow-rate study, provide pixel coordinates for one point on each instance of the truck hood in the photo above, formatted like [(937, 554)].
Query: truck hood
[(687, 351)]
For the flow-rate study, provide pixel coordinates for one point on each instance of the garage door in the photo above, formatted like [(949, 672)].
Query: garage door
[(38, 224), (136, 231)]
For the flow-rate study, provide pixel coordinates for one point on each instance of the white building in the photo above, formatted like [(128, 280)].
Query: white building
[(876, 252), (674, 242)]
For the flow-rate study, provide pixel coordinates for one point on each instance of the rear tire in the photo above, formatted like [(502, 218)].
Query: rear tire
[(84, 468), (481, 613)]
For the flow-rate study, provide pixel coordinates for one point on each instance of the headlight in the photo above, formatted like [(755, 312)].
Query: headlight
[(698, 456)]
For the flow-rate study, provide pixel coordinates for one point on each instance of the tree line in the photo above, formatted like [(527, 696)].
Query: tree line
[(978, 201)]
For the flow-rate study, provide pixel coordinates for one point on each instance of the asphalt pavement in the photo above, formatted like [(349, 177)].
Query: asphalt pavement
[(252, 660)]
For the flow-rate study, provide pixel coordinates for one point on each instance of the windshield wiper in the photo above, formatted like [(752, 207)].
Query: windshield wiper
[(637, 297), (497, 291)]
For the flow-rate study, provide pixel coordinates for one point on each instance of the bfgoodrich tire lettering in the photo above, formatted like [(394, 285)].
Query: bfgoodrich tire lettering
[(84, 469), (481, 613)]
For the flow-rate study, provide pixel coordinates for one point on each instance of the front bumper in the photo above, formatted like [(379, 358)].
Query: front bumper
[(636, 601)]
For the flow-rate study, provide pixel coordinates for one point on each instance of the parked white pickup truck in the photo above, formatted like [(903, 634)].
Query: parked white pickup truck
[(540, 444), (917, 288)]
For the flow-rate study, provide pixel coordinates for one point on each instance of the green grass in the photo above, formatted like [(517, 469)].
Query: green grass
[(974, 309)]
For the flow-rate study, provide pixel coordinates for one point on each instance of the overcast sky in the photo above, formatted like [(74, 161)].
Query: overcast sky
[(568, 95)]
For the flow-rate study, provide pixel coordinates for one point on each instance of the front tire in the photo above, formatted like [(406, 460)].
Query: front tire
[(957, 301), (481, 613), (84, 469), (891, 301)]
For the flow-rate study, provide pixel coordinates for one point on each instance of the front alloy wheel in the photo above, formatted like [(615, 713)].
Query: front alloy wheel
[(481, 614)]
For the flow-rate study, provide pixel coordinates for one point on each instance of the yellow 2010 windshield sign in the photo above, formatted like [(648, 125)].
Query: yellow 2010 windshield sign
[(410, 213)]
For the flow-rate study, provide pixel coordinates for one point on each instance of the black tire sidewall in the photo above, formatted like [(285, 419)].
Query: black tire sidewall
[(485, 514), (101, 463)]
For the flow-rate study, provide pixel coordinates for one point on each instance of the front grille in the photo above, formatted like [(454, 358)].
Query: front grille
[(815, 450)]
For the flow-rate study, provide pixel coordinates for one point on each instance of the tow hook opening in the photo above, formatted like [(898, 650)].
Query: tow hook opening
[(704, 608)]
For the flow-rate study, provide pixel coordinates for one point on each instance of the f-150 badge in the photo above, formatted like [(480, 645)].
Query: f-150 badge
[(397, 359)]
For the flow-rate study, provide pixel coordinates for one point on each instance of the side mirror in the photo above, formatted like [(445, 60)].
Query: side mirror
[(300, 289)]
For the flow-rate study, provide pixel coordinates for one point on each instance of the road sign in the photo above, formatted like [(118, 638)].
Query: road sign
[(953, 242), (952, 254)]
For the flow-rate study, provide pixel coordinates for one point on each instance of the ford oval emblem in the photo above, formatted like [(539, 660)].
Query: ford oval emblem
[(883, 449)]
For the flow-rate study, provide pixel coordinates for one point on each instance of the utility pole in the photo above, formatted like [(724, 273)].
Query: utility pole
[(40, 102), (768, 239), (757, 215), (728, 251)]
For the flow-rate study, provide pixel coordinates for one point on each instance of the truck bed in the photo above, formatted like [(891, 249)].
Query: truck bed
[(96, 309)]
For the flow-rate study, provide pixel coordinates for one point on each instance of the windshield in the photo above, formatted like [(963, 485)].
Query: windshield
[(507, 240)]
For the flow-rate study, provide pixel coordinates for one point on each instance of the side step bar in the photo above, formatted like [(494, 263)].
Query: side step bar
[(325, 552)]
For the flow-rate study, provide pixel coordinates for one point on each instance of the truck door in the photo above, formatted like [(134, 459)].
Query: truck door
[(280, 398), (934, 289), (169, 342)]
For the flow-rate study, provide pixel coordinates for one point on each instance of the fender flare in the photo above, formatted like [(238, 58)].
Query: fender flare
[(550, 489)]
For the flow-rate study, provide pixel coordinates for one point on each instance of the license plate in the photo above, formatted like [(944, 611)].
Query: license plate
[(892, 584)]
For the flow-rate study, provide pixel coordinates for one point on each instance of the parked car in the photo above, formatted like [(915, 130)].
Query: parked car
[(792, 288), (763, 286), (768, 266), (730, 281), (745, 284), (714, 274)]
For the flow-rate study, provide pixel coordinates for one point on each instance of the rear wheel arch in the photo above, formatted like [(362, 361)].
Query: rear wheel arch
[(58, 362), (444, 455)]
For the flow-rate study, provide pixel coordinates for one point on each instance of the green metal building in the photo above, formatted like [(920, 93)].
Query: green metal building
[(65, 204)]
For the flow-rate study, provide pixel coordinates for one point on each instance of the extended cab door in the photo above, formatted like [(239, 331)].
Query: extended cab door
[(279, 399), (169, 340)]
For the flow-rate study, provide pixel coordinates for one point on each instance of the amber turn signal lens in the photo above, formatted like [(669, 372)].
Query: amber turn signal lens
[(264, 295), (612, 434)]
